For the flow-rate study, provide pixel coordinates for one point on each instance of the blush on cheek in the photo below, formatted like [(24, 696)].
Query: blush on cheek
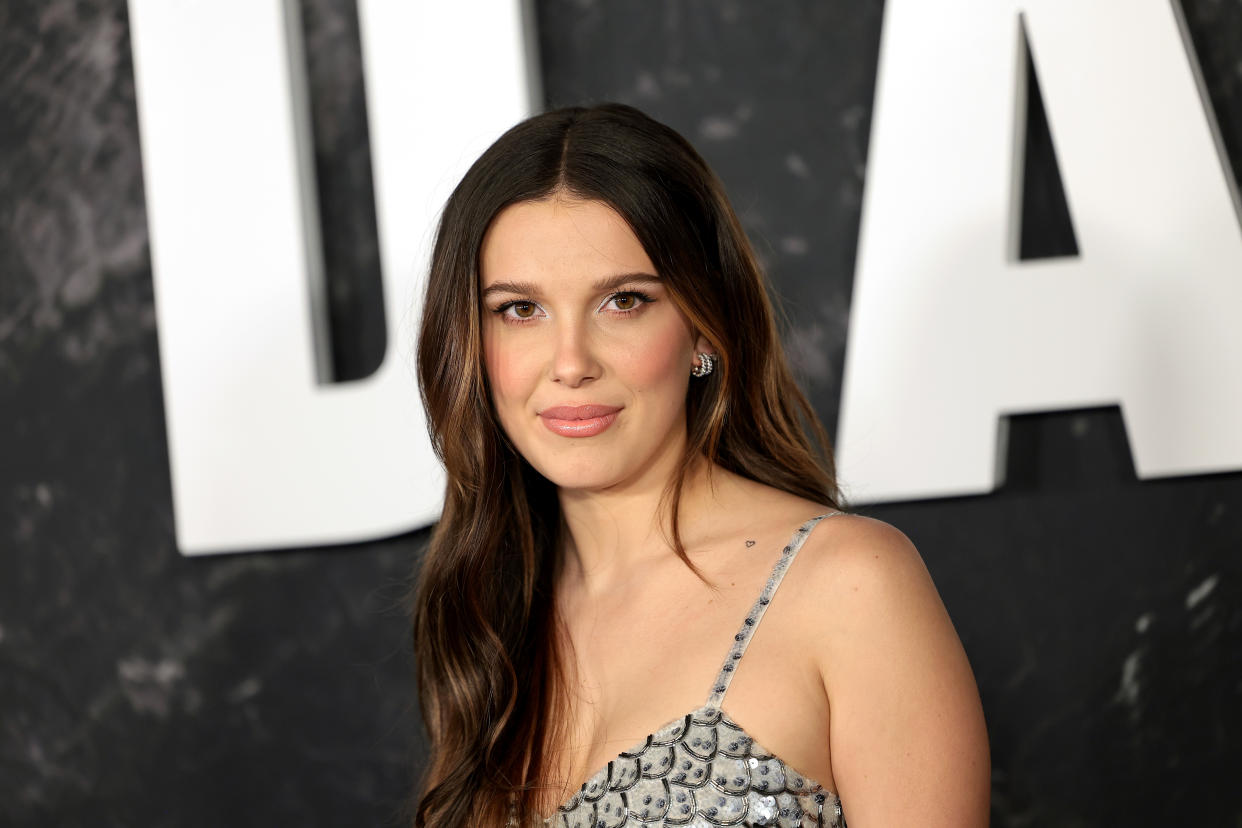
[(658, 361), (512, 378), (499, 364)]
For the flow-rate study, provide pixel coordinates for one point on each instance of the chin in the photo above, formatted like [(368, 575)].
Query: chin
[(579, 473), (578, 466)]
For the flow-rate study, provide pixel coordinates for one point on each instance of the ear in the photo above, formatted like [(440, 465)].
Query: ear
[(704, 346)]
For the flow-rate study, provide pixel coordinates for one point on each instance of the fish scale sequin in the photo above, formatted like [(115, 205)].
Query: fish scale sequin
[(705, 770)]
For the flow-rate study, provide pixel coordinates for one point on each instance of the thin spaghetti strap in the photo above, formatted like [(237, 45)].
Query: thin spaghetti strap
[(742, 639)]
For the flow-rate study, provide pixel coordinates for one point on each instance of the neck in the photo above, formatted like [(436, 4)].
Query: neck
[(611, 533)]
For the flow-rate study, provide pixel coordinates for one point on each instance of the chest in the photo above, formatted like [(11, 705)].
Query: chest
[(643, 660)]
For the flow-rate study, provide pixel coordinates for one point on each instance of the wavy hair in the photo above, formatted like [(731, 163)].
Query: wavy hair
[(489, 672)]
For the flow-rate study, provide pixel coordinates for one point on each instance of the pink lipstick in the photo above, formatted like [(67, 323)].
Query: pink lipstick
[(579, 420)]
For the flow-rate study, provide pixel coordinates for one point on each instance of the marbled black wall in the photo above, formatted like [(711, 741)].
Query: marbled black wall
[(140, 688)]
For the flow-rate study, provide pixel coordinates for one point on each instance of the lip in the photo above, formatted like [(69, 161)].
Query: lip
[(578, 412), (579, 420)]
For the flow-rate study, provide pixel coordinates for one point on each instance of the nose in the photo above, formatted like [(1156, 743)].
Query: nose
[(574, 361)]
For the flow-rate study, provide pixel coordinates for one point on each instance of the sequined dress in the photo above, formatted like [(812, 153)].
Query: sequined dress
[(704, 769)]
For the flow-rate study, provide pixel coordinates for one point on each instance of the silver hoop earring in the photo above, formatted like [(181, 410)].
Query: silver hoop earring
[(706, 363)]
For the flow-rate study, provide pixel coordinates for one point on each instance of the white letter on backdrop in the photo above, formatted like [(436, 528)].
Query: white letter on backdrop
[(262, 455), (949, 333)]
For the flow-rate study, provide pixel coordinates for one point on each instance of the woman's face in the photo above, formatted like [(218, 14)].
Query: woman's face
[(574, 314)]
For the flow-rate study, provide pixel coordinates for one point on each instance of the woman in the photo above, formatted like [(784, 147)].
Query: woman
[(632, 472)]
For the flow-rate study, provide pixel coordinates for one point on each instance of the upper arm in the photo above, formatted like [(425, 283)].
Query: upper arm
[(908, 741)]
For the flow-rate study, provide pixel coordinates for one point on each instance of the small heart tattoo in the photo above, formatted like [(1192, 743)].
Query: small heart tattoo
[(750, 543)]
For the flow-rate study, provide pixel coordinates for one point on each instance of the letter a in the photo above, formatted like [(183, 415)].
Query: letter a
[(949, 333)]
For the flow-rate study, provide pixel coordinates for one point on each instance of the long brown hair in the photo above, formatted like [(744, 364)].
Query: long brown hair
[(488, 666)]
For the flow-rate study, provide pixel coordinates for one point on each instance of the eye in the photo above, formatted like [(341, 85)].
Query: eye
[(629, 301), (523, 311)]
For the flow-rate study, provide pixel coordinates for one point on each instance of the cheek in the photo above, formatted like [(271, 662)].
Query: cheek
[(657, 363), (507, 373)]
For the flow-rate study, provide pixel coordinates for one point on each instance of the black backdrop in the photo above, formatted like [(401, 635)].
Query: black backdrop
[(139, 688)]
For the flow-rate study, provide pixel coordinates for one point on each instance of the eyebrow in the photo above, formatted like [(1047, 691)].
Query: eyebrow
[(607, 283)]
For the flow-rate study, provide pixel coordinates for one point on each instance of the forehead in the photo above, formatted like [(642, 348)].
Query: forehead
[(559, 237)]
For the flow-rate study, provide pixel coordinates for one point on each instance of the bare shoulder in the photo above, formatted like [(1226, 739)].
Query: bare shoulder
[(859, 581), (908, 740), (856, 559)]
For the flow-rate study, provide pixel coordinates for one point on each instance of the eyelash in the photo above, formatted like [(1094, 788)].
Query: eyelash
[(513, 320)]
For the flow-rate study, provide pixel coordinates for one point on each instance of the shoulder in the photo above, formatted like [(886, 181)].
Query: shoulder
[(860, 584), (863, 588), (858, 560), (907, 735)]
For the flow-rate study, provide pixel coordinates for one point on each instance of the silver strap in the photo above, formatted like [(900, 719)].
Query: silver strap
[(742, 639)]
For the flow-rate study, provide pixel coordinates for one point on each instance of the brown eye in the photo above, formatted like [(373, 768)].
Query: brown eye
[(623, 299), (524, 310)]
